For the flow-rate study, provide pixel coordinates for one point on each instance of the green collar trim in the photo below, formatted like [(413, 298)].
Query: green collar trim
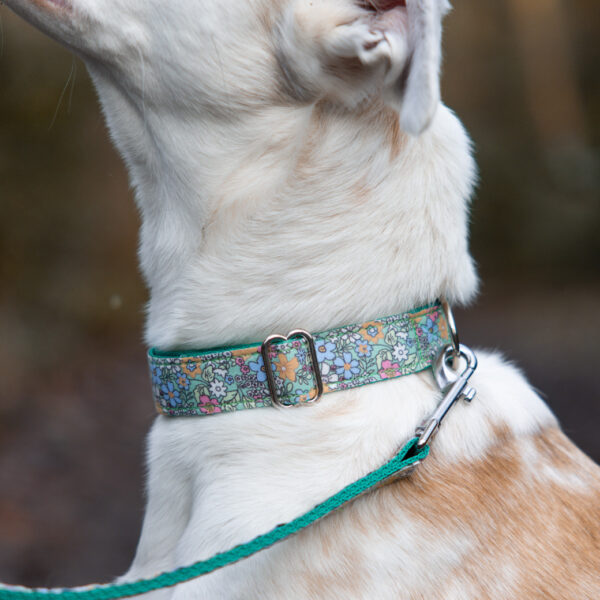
[(198, 383)]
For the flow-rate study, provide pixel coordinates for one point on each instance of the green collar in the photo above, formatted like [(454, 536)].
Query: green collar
[(300, 367)]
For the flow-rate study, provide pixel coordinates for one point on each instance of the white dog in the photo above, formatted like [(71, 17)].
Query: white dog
[(294, 168)]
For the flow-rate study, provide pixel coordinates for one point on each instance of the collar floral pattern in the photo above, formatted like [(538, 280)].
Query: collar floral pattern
[(216, 381)]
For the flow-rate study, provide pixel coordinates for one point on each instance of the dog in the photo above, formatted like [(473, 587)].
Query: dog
[(294, 167)]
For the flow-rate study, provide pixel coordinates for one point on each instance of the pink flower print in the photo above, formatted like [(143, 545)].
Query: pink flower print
[(239, 361), (389, 369), (208, 406)]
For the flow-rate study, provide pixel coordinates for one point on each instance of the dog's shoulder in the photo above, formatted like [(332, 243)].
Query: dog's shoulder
[(505, 506), (526, 512), (519, 522)]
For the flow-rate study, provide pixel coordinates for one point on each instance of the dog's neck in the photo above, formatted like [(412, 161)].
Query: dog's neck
[(305, 217)]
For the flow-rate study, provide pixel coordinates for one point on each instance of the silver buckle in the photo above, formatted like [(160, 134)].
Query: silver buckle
[(264, 350)]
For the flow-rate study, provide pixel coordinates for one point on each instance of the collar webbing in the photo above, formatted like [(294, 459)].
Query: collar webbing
[(224, 380)]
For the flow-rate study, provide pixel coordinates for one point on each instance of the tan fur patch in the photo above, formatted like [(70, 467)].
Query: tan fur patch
[(394, 134), (374, 117), (361, 192), (550, 535), (316, 128), (529, 537)]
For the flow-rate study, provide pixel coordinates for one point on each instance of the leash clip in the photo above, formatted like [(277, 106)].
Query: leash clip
[(453, 382)]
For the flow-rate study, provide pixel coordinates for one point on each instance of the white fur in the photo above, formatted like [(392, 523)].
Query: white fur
[(243, 235), (216, 482)]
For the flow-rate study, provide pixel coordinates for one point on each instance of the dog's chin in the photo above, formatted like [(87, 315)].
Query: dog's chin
[(53, 17), (58, 19)]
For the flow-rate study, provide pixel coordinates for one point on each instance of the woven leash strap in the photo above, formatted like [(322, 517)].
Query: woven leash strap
[(409, 455)]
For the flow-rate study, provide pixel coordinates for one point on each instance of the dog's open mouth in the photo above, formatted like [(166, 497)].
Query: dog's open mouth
[(382, 5)]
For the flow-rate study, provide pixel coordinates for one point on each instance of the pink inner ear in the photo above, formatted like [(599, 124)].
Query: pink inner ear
[(61, 3), (382, 5)]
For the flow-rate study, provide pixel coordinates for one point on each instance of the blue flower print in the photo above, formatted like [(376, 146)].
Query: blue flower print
[(324, 350), (183, 381), (363, 348), (431, 330), (372, 331), (156, 375), (259, 368), (347, 367), (170, 393)]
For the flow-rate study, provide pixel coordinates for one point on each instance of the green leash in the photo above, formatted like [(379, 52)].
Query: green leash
[(400, 465)]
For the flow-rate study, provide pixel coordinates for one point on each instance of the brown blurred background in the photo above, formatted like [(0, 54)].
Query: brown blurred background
[(75, 399)]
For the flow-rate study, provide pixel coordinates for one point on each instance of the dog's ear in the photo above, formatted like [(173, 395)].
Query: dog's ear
[(351, 52), (419, 94)]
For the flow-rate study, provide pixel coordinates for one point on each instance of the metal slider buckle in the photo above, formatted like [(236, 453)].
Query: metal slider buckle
[(310, 342)]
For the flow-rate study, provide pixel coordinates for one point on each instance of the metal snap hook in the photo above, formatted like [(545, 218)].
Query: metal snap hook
[(454, 385), (446, 368)]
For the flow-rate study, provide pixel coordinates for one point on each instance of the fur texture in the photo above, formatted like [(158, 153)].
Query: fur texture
[(268, 142)]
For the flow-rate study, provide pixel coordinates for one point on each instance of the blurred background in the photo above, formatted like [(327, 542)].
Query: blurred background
[(74, 393)]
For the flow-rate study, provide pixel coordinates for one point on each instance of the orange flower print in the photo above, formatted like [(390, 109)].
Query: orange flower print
[(372, 331), (444, 334), (191, 367), (286, 369)]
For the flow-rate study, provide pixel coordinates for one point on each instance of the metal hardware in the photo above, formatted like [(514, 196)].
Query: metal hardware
[(453, 382), (452, 326), (266, 347), (403, 473)]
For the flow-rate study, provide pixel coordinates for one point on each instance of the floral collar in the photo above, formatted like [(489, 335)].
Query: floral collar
[(302, 367)]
